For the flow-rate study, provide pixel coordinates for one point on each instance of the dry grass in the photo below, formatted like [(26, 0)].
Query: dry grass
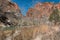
[(42, 32), (29, 33)]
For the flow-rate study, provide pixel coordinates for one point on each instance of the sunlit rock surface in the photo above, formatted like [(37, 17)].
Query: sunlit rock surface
[(34, 26)]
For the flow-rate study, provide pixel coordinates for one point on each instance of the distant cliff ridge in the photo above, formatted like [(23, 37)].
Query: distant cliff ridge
[(41, 9)]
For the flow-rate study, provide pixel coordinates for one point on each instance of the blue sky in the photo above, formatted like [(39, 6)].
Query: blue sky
[(24, 5)]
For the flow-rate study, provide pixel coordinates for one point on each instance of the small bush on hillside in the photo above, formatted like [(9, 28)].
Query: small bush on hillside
[(54, 17)]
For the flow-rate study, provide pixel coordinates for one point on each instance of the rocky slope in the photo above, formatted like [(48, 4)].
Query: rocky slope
[(10, 11), (34, 26)]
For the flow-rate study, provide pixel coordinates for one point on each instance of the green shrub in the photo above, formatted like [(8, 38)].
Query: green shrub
[(55, 16), (9, 28)]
